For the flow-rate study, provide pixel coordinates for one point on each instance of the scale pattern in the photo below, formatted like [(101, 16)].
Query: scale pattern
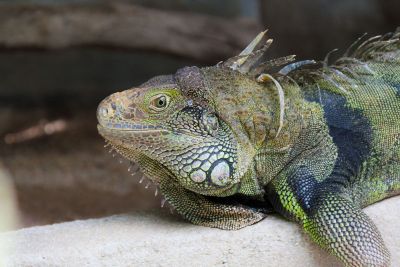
[(313, 141)]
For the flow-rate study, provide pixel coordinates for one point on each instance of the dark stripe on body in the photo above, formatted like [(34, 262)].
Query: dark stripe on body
[(397, 88), (351, 133)]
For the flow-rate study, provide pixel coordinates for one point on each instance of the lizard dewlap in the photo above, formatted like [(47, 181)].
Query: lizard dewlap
[(316, 141)]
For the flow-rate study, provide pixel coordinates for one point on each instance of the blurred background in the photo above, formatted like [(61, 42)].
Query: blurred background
[(59, 58)]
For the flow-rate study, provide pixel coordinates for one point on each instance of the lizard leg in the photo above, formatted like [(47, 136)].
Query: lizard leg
[(208, 211), (347, 232), (329, 217)]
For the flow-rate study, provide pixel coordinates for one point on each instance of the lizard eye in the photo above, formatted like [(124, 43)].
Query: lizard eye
[(159, 102)]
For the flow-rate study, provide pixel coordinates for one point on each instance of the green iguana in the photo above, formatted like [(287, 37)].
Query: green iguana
[(314, 141)]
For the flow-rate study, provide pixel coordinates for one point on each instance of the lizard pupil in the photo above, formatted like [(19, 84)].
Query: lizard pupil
[(161, 102)]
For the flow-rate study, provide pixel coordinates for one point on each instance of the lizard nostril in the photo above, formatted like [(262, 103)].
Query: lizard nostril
[(104, 112)]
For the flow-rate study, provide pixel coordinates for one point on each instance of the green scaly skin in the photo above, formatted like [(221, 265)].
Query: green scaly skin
[(317, 142)]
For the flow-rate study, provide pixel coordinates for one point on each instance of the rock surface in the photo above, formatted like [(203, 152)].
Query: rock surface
[(156, 239), (8, 215)]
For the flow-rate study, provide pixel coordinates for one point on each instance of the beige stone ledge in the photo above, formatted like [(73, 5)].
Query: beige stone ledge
[(159, 239)]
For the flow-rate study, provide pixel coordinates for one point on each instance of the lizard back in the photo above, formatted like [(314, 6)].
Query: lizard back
[(360, 95)]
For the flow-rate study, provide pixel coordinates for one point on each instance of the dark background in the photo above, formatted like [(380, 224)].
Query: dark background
[(58, 59)]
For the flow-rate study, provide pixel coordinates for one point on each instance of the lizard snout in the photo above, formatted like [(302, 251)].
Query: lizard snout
[(108, 110), (118, 111)]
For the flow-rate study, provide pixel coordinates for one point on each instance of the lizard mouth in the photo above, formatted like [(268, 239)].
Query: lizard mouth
[(128, 136), (116, 130), (128, 127), (110, 130)]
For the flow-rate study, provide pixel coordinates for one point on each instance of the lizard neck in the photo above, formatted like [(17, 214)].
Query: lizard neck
[(264, 140), (303, 125), (251, 109)]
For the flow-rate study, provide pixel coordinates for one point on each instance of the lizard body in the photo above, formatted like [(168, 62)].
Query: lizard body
[(314, 141)]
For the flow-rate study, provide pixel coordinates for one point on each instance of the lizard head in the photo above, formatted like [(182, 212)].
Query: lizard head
[(201, 127), (169, 135)]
